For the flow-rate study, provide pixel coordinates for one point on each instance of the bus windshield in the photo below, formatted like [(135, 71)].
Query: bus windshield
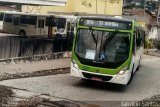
[(104, 48)]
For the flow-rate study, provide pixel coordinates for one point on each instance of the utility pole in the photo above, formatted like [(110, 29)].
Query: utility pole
[(144, 7), (158, 10), (96, 8)]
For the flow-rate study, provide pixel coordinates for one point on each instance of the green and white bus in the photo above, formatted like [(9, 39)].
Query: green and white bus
[(107, 49)]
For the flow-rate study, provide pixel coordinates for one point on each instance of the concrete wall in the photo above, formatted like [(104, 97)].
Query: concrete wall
[(153, 33), (108, 7), (46, 9), (158, 33)]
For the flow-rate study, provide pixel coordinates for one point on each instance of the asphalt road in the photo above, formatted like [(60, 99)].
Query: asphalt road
[(145, 84)]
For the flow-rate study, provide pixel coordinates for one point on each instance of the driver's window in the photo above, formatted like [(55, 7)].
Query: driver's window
[(138, 38), (134, 42)]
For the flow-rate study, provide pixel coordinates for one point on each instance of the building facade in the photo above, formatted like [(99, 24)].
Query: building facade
[(107, 7), (158, 20)]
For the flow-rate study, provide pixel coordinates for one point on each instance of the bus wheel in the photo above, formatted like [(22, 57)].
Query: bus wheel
[(22, 33), (132, 74)]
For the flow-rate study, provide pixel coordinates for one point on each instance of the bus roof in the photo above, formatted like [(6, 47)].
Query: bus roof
[(66, 16), (38, 14), (21, 13)]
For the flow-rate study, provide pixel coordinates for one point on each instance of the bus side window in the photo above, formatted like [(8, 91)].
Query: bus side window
[(61, 23), (40, 23), (72, 27), (64, 23), (32, 20), (8, 18), (133, 46), (138, 39), (1, 16), (68, 26), (50, 21), (143, 38), (16, 21), (23, 19)]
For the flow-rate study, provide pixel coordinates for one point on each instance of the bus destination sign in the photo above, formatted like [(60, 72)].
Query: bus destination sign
[(106, 24)]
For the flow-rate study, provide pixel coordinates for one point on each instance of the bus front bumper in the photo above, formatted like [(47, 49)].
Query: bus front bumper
[(117, 78)]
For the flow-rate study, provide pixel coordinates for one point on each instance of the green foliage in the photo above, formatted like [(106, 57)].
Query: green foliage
[(149, 44)]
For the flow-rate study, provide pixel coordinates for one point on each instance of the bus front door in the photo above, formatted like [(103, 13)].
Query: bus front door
[(41, 30)]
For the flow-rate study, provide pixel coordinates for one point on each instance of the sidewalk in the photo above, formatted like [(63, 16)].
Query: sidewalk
[(29, 68), (152, 52)]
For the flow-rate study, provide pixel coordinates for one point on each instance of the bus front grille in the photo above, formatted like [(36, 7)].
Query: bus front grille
[(90, 76)]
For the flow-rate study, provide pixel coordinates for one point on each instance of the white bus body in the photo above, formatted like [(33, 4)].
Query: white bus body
[(36, 25)]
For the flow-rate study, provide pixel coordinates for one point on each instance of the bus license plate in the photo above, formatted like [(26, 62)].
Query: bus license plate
[(96, 79)]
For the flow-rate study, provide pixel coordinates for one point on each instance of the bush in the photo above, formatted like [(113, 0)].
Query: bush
[(149, 44)]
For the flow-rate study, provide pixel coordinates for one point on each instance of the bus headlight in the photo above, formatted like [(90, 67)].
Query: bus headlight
[(124, 69), (75, 65), (121, 72)]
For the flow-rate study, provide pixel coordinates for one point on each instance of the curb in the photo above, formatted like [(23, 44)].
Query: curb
[(41, 100), (7, 76), (36, 58)]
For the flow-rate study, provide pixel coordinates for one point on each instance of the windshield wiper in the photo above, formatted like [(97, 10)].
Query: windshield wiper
[(98, 62)]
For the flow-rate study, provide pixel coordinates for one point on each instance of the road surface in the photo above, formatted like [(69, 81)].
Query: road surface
[(145, 84), (6, 35)]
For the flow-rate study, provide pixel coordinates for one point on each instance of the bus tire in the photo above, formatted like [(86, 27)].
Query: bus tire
[(132, 74), (22, 33)]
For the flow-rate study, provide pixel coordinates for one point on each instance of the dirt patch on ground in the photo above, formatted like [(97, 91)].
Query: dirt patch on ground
[(35, 58), (5, 94), (151, 102), (38, 101), (7, 76)]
